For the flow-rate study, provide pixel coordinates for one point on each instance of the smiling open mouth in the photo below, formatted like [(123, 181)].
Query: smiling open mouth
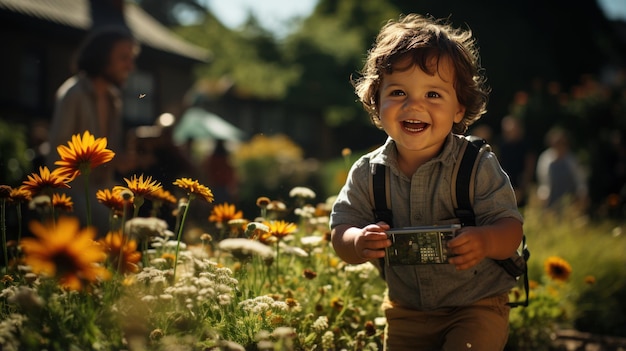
[(414, 126)]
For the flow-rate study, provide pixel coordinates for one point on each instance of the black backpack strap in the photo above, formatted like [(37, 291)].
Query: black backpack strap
[(463, 191), (525, 256), (463, 180), (380, 194)]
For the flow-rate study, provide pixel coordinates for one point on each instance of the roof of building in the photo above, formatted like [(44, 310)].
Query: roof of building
[(76, 14)]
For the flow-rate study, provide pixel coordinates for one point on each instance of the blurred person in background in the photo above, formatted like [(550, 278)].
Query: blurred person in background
[(560, 178), (516, 157), (91, 101), (220, 174)]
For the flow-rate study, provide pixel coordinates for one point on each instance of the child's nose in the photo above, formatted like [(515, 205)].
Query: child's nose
[(414, 103)]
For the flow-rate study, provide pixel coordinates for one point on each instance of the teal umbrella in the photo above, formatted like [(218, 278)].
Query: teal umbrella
[(198, 123)]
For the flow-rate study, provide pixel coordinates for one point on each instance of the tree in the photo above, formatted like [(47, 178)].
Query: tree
[(330, 47), (250, 59), (521, 42)]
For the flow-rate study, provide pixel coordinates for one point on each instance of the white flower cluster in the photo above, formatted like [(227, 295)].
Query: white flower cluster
[(292, 250), (320, 221), (302, 192), (306, 211), (152, 276), (166, 245), (311, 240), (206, 288), (364, 271), (8, 292), (328, 340), (261, 304), (320, 324), (8, 330), (284, 333), (27, 298), (224, 275), (145, 228), (210, 286), (204, 265), (246, 247)]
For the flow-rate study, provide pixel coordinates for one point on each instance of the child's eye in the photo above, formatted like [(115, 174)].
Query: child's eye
[(432, 94), (397, 93)]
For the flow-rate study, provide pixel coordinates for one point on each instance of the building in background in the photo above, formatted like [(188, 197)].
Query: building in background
[(40, 37)]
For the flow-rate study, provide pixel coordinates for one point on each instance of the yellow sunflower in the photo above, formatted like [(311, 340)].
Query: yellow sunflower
[(557, 268), (83, 154), (44, 181), (62, 202), (280, 228), (111, 199), (266, 238), (162, 195), (337, 303), (66, 252), (114, 245), (169, 257), (139, 186), (222, 213), (193, 187), (20, 195)]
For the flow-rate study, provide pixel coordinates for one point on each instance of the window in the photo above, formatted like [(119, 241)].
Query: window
[(30, 81)]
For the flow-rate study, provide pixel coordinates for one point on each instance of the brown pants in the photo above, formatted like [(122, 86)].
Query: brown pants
[(483, 326)]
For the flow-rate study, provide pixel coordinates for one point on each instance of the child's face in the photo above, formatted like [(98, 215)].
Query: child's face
[(417, 110)]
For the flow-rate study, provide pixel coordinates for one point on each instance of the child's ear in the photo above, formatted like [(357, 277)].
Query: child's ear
[(458, 116)]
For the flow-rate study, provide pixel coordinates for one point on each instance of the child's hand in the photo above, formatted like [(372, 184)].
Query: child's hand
[(469, 247), (498, 240), (372, 241)]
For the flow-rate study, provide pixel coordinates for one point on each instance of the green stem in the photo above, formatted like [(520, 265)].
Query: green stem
[(138, 202), (144, 250), (112, 220), (87, 197), (4, 234), (156, 206), (120, 257), (19, 222), (277, 258), (180, 232), (123, 233), (177, 224)]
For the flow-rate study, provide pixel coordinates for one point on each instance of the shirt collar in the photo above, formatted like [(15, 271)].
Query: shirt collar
[(87, 84), (387, 154)]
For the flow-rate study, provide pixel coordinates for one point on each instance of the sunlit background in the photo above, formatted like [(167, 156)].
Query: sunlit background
[(276, 14), (265, 86)]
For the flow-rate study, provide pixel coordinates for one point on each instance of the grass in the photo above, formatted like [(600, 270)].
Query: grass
[(593, 298), (304, 297)]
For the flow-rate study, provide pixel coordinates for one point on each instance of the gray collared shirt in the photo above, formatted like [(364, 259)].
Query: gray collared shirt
[(426, 199)]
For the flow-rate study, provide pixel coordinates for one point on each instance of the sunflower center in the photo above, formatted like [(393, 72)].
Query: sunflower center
[(66, 263)]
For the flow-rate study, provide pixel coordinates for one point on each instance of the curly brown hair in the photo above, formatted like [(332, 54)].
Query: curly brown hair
[(421, 39)]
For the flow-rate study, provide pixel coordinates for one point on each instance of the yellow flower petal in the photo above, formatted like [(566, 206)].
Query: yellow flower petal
[(66, 252)]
